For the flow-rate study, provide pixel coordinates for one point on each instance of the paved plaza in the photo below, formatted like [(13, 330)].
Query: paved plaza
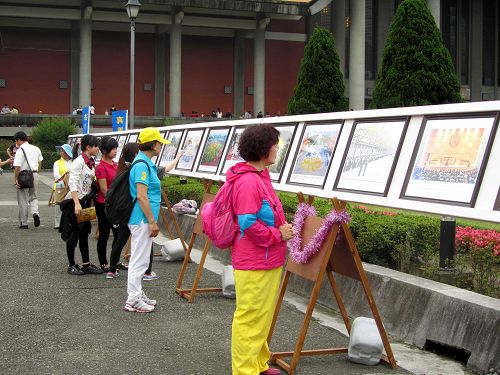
[(55, 323)]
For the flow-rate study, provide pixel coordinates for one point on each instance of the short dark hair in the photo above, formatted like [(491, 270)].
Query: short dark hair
[(256, 142), (148, 146), (89, 140), (107, 144), (20, 136)]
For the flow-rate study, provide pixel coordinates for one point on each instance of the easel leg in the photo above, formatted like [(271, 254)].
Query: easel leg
[(180, 278), (340, 301), (199, 271), (174, 220)]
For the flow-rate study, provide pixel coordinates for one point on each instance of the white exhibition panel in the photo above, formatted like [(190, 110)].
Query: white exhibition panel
[(441, 159)]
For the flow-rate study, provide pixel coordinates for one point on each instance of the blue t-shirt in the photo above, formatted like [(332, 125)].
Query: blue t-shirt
[(140, 174)]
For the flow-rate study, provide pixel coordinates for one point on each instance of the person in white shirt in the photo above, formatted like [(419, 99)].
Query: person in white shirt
[(81, 176), (27, 157), (61, 168)]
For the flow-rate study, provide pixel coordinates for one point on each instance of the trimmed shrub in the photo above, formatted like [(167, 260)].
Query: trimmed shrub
[(49, 158), (416, 68), (51, 132), (320, 83)]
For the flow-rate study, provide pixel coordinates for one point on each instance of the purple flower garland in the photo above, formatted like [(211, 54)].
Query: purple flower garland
[(304, 210)]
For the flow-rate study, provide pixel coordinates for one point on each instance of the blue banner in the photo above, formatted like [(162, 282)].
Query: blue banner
[(119, 120), (86, 120)]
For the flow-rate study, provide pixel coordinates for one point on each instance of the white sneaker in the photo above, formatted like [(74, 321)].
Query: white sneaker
[(150, 276), (149, 301), (138, 305)]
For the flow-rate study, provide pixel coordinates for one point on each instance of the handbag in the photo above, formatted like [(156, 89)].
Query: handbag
[(60, 193), (25, 179), (86, 214)]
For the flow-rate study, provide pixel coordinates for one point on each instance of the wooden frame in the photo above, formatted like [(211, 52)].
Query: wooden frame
[(337, 254), (189, 293)]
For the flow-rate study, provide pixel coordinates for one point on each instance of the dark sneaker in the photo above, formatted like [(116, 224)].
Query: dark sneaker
[(23, 226), (122, 266), (91, 269), (75, 270), (36, 220)]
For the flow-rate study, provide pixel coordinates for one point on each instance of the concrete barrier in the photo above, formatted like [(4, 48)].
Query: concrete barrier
[(414, 310)]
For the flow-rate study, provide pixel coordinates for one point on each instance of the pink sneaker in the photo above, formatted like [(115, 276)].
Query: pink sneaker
[(271, 371)]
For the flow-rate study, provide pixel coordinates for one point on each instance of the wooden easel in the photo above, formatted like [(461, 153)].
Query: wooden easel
[(337, 254), (189, 293)]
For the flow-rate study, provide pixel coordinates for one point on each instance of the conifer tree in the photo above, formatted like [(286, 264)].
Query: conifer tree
[(320, 84), (417, 68)]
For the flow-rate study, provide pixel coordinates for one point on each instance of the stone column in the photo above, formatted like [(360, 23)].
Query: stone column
[(339, 30), (85, 83), (259, 66), (160, 41), (239, 74), (175, 63), (435, 7), (476, 50), (75, 65), (357, 56)]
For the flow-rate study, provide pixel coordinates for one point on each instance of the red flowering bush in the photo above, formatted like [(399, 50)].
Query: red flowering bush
[(469, 239)]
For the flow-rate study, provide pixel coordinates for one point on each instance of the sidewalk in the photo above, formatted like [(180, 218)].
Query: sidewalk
[(55, 323)]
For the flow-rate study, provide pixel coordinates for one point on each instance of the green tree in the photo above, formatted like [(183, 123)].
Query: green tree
[(320, 84), (417, 68), (51, 132)]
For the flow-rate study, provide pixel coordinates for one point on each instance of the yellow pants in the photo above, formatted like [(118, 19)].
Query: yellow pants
[(256, 293)]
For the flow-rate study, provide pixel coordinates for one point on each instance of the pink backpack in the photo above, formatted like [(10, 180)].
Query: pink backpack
[(219, 221)]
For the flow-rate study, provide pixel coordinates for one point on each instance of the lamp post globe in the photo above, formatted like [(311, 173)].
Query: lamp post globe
[(132, 7)]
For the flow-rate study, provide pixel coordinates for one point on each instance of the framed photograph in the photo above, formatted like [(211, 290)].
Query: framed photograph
[(122, 140), (233, 156), (98, 157), (191, 145), (314, 154), (285, 140), (213, 149), (496, 206), (169, 151), (133, 137), (449, 159), (371, 155), (154, 159)]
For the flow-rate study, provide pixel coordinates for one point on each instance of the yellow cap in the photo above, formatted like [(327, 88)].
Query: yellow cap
[(151, 134)]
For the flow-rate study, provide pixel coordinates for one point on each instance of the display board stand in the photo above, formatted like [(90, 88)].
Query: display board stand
[(338, 254), (189, 293)]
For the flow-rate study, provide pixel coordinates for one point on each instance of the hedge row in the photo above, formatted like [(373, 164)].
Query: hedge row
[(379, 235)]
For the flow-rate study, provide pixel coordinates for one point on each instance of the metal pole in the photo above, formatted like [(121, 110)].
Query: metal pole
[(132, 75), (447, 242)]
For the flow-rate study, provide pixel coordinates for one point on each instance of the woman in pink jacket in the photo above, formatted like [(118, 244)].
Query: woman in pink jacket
[(259, 250)]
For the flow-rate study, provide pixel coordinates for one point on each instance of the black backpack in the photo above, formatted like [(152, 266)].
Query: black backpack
[(119, 204)]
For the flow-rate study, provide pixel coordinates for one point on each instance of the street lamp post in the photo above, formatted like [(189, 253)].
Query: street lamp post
[(132, 7)]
